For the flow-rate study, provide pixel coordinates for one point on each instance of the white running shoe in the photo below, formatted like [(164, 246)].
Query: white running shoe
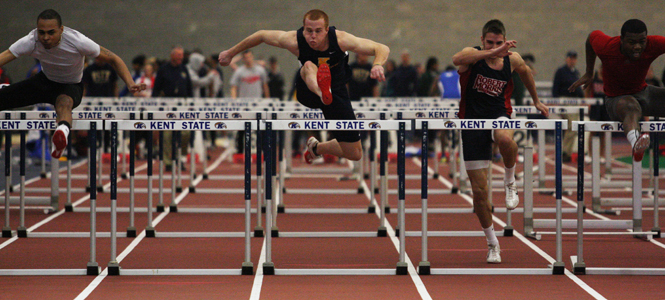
[(493, 254), (309, 153), (512, 199)]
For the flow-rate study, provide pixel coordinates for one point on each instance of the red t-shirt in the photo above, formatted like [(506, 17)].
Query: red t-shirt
[(621, 75)]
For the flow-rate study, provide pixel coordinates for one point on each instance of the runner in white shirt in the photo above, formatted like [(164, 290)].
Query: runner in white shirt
[(61, 51)]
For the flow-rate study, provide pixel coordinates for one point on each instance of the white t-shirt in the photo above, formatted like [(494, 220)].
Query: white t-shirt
[(249, 81), (62, 63)]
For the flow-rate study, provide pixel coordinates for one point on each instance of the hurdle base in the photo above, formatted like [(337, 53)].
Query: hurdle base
[(382, 232), (268, 268), (361, 190), (42, 175), (11, 189), (397, 231), (150, 232), (424, 268), (258, 232), (508, 231), (92, 269), (436, 176), (87, 189), (371, 209), (160, 207), (376, 190), (558, 268), (284, 190), (643, 237), (274, 232), (366, 176), (173, 208), (6, 232), (657, 231), (178, 189), (124, 176), (205, 176), (387, 209), (247, 268), (69, 208), (192, 189), (22, 232), (402, 269), (100, 189), (454, 190), (131, 232), (579, 269), (280, 208), (113, 269)]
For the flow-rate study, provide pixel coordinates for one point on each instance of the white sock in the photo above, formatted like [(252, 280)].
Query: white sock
[(490, 236), (632, 137), (64, 129), (509, 176)]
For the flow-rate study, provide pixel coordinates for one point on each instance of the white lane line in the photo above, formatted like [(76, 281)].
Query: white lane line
[(258, 278), (420, 286), (98, 280)]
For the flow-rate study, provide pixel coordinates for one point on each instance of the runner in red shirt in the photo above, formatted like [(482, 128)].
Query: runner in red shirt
[(626, 60)]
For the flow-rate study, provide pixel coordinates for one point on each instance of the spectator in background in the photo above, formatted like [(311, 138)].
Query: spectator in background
[(35, 69), (406, 77), (249, 80), (518, 86), (137, 66), (100, 79), (388, 87), (217, 86), (275, 79), (651, 78), (173, 80), (195, 67), (449, 83), (361, 84), (564, 77), (147, 77), (597, 112), (427, 84)]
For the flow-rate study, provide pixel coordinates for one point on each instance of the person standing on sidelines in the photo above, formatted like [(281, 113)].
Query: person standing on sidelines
[(626, 60), (322, 52), (486, 86), (61, 51)]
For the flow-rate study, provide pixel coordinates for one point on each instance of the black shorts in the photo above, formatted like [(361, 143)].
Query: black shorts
[(598, 113), (38, 89), (339, 109), (477, 144)]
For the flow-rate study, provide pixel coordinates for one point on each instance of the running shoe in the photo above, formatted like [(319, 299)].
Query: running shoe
[(493, 254), (511, 196), (309, 153), (323, 79), (640, 146), (58, 143)]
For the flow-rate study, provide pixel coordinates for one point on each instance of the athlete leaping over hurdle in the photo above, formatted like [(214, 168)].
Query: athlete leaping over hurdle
[(486, 85), (626, 60), (61, 51), (324, 72)]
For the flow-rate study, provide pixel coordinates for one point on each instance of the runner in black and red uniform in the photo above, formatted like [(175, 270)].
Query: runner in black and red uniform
[(322, 52), (486, 86), (626, 60)]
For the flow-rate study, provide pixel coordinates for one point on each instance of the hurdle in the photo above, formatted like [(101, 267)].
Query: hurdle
[(636, 224), (150, 125), (426, 125)]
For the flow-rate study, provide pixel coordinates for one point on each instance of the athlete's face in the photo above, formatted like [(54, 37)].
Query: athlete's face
[(49, 33), (316, 34), (633, 44), (492, 40)]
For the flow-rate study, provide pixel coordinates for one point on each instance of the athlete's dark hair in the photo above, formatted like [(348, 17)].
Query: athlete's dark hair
[(50, 14), (314, 15), (633, 26), (431, 63), (494, 26)]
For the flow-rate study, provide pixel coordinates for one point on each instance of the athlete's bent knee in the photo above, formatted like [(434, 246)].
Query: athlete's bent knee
[(355, 155)]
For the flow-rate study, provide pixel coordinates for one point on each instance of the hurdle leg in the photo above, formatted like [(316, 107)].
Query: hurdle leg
[(174, 145), (247, 265), (268, 265), (541, 160), (372, 173), (258, 230), (93, 267), (273, 169), (656, 163), (637, 198), (608, 152), (100, 186), (558, 267), (177, 164), (131, 229), (113, 266), (44, 140), (462, 168), (282, 172), (160, 205), (22, 230), (55, 182), (402, 266), (424, 265), (6, 229), (528, 192), (204, 159), (192, 162), (68, 205), (150, 229), (437, 149), (123, 154), (452, 152), (384, 184), (579, 266)]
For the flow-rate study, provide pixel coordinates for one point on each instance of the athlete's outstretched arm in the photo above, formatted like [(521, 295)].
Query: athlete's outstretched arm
[(119, 66), (469, 55), (527, 78), (349, 42), (587, 78), (6, 57), (282, 39)]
